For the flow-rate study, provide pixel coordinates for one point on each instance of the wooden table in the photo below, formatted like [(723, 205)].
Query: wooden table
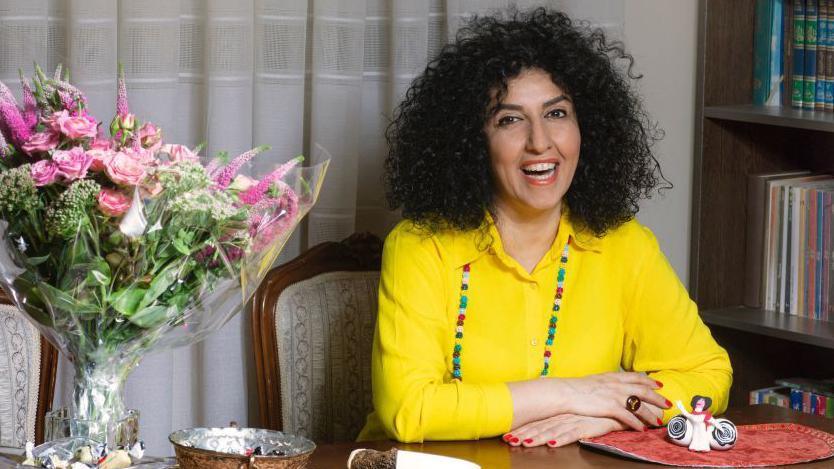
[(495, 454)]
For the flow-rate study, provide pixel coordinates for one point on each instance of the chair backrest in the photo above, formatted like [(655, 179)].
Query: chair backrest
[(27, 378), (313, 324)]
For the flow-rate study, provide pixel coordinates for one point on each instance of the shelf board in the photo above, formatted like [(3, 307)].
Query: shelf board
[(774, 115), (769, 323)]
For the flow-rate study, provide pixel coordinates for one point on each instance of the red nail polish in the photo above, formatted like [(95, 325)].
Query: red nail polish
[(528, 440), (551, 442), (645, 428), (513, 440), (668, 403), (659, 384), (659, 422), (507, 437)]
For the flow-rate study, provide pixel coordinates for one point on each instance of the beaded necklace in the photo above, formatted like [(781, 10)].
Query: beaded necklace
[(551, 327)]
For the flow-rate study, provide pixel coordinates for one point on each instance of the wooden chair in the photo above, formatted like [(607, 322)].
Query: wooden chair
[(16, 349), (313, 323)]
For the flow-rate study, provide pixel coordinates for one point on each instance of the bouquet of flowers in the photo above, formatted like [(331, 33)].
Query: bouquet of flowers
[(117, 245)]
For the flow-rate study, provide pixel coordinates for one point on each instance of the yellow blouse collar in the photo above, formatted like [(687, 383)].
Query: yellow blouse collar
[(471, 245)]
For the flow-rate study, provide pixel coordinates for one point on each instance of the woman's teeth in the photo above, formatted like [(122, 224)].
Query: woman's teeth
[(539, 170)]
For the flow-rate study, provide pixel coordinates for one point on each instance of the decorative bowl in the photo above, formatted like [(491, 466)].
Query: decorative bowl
[(236, 448)]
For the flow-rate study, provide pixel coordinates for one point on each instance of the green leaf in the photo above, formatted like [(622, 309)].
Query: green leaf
[(161, 282), (150, 316), (33, 261), (99, 273), (63, 301), (126, 300), (181, 247)]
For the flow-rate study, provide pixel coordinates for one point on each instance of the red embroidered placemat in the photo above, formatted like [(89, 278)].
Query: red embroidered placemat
[(769, 444)]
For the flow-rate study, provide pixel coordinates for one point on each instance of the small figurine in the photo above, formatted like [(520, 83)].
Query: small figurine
[(699, 430)]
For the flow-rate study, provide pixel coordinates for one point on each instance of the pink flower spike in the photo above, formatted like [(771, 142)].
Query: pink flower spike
[(30, 107), (224, 178), (122, 108), (254, 195), (13, 123), (3, 146), (6, 94), (67, 101)]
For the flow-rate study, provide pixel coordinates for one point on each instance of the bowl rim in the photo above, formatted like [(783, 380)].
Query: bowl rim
[(209, 452)]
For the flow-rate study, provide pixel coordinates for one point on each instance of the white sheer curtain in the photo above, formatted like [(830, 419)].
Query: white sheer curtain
[(235, 74)]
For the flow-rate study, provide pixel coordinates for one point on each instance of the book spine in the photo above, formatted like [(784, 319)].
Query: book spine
[(762, 51), (796, 399), (825, 254), (797, 253), (829, 208), (787, 52), (822, 47), (810, 73), (829, 407), (818, 250), (810, 250), (829, 56), (798, 63), (806, 402), (771, 242), (787, 245), (756, 206)]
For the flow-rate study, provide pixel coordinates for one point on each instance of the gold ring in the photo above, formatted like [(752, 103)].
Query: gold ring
[(633, 403)]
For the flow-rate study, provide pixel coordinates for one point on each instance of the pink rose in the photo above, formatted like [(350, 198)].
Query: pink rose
[(77, 127), (51, 122), (41, 141), (143, 156), (150, 136), (72, 164), (179, 153), (99, 158), (44, 172), (101, 144), (124, 170), (113, 203)]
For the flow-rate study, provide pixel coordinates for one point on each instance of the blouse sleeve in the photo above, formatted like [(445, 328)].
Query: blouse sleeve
[(412, 397), (666, 338)]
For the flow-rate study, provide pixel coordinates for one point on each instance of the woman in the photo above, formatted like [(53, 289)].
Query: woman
[(520, 283)]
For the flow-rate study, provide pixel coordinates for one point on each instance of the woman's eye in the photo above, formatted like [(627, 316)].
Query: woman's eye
[(557, 113), (507, 120)]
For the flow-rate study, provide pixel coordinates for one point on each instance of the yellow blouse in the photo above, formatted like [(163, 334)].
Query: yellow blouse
[(623, 307)]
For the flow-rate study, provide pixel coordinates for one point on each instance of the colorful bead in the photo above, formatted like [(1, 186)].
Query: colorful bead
[(551, 329)]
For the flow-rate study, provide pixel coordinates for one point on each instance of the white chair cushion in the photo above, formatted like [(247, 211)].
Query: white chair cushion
[(20, 362), (325, 328)]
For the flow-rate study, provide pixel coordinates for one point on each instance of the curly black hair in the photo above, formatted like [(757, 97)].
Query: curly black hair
[(438, 167), (707, 401)]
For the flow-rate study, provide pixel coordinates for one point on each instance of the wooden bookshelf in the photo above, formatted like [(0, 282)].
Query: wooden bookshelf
[(772, 115), (772, 324), (732, 140)]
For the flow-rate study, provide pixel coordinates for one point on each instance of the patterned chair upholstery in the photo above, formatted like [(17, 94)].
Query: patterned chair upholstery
[(27, 377), (313, 326)]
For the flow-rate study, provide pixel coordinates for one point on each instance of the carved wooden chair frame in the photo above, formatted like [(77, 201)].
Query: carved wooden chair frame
[(46, 386), (359, 252)]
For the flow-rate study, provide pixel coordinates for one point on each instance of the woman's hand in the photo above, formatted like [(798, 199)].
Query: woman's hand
[(561, 430), (604, 395), (565, 429)]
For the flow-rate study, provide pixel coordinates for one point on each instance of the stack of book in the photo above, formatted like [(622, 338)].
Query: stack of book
[(814, 397), (793, 54), (790, 243)]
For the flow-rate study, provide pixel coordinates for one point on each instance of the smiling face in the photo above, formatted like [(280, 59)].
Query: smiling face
[(534, 142), (699, 404)]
